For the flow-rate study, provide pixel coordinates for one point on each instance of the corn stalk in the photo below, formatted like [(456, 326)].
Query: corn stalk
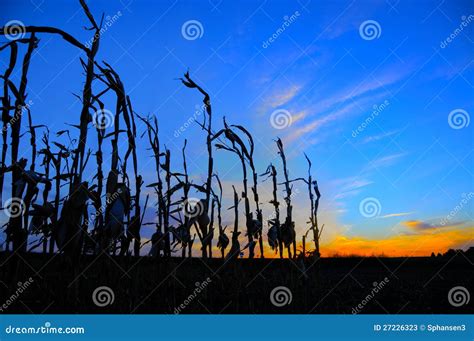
[(289, 224), (188, 82)]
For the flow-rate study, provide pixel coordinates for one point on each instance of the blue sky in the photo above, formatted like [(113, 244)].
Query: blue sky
[(320, 70)]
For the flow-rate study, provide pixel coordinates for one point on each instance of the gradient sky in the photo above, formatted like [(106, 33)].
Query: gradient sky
[(323, 72)]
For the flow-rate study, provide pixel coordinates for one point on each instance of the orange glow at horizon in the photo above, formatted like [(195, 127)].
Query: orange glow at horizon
[(403, 245)]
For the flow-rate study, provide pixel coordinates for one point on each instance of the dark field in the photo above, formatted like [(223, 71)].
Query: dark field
[(145, 285)]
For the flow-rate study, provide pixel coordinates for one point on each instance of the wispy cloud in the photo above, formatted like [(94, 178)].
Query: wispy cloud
[(347, 194), (366, 87), (379, 137), (385, 161), (392, 215), (298, 116), (352, 100), (358, 183), (313, 126), (350, 187), (423, 226), (279, 97)]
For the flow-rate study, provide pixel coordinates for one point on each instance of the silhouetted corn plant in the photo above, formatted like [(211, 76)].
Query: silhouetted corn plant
[(223, 240), (166, 214), (317, 231), (78, 157), (186, 188), (314, 207), (154, 141), (257, 224), (19, 235), (288, 233), (188, 82), (46, 210), (6, 108), (274, 232), (96, 195), (124, 107), (234, 251), (314, 204), (210, 234), (238, 147), (31, 177)]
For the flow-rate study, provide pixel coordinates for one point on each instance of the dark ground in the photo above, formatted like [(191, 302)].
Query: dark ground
[(145, 285)]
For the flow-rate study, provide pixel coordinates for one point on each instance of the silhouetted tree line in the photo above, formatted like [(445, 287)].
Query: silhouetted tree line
[(469, 253), (37, 206)]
